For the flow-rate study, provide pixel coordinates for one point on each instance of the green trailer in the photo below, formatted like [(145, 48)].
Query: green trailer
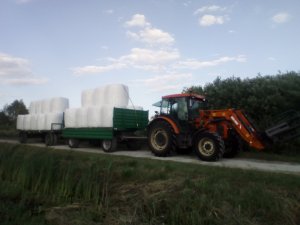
[(128, 126)]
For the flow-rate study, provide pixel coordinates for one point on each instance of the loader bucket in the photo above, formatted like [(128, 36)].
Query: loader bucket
[(287, 127)]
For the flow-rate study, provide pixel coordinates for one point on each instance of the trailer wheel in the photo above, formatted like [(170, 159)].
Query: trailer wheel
[(49, 139), (209, 146), (23, 137), (73, 143), (55, 139), (109, 145), (160, 138)]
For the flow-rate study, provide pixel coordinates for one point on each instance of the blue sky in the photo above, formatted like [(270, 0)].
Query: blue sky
[(52, 48)]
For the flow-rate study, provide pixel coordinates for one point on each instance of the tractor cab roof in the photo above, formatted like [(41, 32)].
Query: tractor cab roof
[(190, 95), (186, 95)]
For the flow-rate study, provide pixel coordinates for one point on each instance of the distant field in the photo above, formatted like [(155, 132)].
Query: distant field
[(44, 186)]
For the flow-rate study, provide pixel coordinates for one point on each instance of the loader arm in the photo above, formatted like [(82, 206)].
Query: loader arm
[(238, 121)]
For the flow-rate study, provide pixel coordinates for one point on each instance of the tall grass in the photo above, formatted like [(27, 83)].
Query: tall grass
[(44, 186)]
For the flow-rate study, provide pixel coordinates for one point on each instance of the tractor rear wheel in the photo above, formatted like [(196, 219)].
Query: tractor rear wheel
[(160, 138), (209, 146)]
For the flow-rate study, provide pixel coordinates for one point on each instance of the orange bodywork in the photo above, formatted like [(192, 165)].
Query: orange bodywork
[(172, 123), (214, 120)]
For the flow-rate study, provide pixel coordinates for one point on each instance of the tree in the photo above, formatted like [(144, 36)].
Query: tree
[(14, 109)]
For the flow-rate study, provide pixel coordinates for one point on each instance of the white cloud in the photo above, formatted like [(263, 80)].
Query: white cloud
[(109, 11), (137, 20), (15, 70), (271, 58), (145, 56), (26, 81), (212, 15), (152, 36), (209, 20), (281, 17), (13, 66), (173, 81), (198, 64), (97, 69), (138, 58), (148, 34), (23, 1), (210, 9)]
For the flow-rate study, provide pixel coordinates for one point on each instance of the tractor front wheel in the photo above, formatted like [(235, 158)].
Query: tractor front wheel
[(209, 146), (160, 138)]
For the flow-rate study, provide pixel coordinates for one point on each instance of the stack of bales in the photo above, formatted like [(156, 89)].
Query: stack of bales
[(97, 107), (42, 114)]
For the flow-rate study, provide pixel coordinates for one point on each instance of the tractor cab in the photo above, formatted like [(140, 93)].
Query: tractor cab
[(181, 107)]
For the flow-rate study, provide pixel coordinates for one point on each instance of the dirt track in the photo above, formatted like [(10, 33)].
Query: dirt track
[(274, 166)]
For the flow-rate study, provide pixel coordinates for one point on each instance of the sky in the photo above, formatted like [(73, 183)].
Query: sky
[(52, 48)]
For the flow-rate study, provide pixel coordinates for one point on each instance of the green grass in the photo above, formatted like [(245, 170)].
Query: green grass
[(46, 186)]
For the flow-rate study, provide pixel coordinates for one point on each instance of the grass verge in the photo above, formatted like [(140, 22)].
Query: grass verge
[(45, 186)]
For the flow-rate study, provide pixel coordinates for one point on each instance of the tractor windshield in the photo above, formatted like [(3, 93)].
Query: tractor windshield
[(195, 105)]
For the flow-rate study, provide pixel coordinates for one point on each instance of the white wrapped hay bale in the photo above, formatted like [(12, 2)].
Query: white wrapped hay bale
[(38, 107), (70, 118), (59, 104), (54, 121), (20, 122), (26, 122), (46, 106), (33, 122), (107, 115), (41, 122), (94, 118), (87, 97), (82, 117), (99, 96), (117, 95)]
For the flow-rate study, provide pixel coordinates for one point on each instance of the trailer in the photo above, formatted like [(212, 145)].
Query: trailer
[(129, 126), (49, 137), (44, 121)]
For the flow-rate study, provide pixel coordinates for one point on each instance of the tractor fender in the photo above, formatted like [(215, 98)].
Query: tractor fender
[(168, 120)]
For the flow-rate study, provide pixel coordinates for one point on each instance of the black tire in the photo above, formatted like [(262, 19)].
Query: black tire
[(109, 145), (209, 146), (233, 146), (73, 143), (49, 139), (55, 138), (23, 137), (161, 138)]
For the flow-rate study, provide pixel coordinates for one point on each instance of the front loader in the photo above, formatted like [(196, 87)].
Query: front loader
[(184, 123)]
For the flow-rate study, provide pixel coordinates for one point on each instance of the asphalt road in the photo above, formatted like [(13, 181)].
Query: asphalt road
[(270, 166)]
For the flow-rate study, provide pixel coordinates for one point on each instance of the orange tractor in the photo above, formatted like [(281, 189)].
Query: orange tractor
[(184, 123)]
